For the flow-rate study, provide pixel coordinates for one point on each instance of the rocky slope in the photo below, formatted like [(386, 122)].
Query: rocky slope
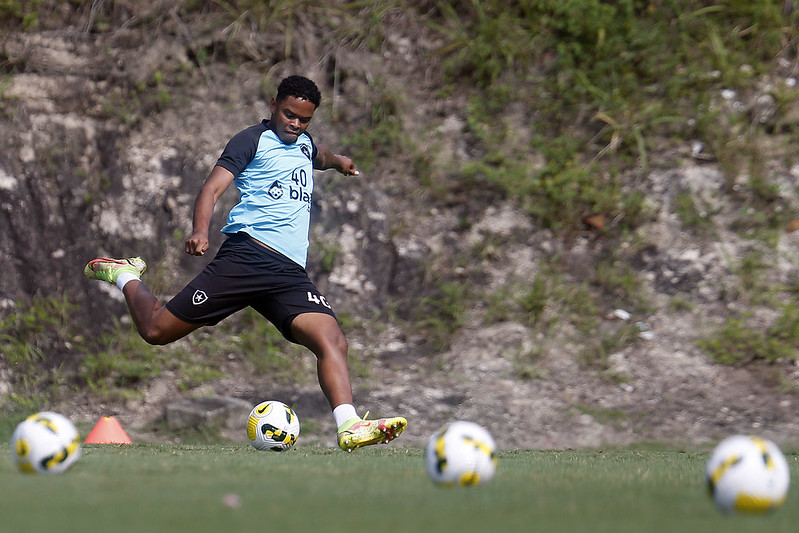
[(107, 137)]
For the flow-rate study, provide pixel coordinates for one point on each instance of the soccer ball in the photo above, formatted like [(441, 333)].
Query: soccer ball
[(747, 474), (460, 453), (45, 443), (273, 426)]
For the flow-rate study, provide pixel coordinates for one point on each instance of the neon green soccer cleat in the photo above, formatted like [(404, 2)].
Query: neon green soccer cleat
[(358, 432), (107, 269)]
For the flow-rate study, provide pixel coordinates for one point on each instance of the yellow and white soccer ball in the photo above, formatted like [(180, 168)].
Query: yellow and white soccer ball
[(460, 453), (45, 443), (273, 426), (747, 474)]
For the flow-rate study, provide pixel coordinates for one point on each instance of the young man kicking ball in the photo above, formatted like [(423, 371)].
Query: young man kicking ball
[(261, 264)]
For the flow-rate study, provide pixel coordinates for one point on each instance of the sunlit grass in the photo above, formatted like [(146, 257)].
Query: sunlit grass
[(235, 488)]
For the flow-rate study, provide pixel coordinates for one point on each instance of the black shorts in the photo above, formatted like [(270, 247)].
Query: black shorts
[(242, 274)]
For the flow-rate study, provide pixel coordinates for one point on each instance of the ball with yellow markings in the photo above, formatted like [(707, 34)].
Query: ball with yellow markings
[(747, 474), (273, 426), (460, 453), (45, 443)]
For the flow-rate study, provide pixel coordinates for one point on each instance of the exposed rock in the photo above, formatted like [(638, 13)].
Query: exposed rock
[(214, 412), (107, 138)]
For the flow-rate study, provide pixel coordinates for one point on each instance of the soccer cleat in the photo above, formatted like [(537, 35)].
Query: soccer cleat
[(107, 269), (358, 432)]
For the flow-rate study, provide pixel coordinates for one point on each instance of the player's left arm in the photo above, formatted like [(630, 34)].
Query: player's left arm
[(326, 159)]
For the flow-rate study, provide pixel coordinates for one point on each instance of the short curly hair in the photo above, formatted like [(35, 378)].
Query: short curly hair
[(299, 87)]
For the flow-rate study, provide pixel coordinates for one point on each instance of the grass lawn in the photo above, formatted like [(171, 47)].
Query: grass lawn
[(188, 488)]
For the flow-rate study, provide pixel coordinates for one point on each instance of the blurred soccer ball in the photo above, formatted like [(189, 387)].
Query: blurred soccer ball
[(46, 443), (747, 474), (460, 453), (273, 426)]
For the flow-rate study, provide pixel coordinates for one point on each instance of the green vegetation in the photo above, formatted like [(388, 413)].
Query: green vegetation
[(25, 13), (381, 135), (569, 100), (441, 313), (44, 326), (595, 352), (598, 75), (257, 341), (693, 213), (51, 356), (211, 488), (566, 106), (738, 342), (28, 340)]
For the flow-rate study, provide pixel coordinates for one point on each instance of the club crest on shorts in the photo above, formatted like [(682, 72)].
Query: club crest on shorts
[(199, 297)]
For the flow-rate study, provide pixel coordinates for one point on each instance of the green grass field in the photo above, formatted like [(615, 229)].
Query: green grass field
[(182, 488)]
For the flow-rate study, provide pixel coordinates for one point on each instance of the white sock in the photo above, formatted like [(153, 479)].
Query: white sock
[(344, 412), (124, 278)]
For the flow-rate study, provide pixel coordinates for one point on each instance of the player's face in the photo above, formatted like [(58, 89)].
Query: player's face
[(291, 117)]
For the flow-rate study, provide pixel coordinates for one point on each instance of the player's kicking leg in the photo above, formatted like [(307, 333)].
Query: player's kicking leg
[(155, 323)]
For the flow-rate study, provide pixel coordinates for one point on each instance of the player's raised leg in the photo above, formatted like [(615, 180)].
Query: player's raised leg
[(154, 322)]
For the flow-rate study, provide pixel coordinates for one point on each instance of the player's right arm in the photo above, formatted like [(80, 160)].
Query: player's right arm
[(217, 183)]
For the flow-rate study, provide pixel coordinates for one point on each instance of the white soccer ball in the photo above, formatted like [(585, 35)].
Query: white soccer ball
[(46, 443), (273, 426), (747, 474), (460, 453)]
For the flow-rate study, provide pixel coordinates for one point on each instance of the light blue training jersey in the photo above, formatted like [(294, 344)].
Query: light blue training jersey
[(275, 184)]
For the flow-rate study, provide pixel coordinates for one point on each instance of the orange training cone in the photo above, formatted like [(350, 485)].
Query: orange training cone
[(108, 431)]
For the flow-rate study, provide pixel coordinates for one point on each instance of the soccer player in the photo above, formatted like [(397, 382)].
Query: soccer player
[(261, 264)]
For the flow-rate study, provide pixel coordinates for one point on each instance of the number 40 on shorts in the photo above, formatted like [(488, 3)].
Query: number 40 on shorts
[(318, 299)]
